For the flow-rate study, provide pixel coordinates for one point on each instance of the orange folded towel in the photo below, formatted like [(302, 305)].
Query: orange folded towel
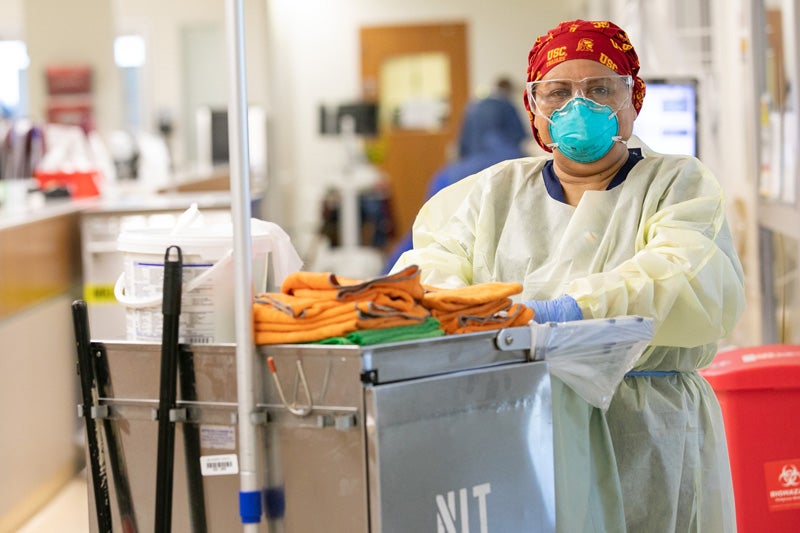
[(456, 299), (278, 307), (301, 325), (516, 315), (400, 285), (315, 281), (281, 318), (338, 329), (477, 307), (404, 281), (450, 319), (373, 315)]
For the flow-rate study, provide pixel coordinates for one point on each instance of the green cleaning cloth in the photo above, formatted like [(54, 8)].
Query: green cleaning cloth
[(364, 337)]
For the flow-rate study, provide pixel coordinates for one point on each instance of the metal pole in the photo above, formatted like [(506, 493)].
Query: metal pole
[(249, 494)]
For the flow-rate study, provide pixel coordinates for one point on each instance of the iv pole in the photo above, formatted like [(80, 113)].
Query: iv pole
[(249, 493)]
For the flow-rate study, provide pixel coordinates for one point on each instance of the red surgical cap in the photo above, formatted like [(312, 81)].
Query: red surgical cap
[(597, 40)]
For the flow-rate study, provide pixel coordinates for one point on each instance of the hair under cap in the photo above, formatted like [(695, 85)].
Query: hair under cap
[(597, 40)]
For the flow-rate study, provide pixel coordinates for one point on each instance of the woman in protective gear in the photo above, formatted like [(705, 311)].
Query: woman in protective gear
[(600, 229)]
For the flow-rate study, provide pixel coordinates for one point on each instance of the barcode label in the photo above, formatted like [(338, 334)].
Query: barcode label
[(219, 465)]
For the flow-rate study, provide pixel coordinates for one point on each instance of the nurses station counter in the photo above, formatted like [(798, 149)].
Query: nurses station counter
[(47, 254), (446, 434), (40, 274)]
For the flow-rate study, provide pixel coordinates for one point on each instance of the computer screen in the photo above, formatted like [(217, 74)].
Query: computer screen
[(668, 120), (219, 136), (364, 115)]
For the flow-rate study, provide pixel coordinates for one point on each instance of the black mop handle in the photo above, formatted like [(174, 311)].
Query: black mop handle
[(97, 466), (171, 309)]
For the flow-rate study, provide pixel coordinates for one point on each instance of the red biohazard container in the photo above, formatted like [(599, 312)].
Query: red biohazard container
[(79, 184), (759, 391)]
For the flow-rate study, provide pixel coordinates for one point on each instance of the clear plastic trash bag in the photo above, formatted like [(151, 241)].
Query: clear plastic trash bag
[(592, 356)]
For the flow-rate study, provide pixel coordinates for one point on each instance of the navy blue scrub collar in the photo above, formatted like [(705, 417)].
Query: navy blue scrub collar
[(554, 186)]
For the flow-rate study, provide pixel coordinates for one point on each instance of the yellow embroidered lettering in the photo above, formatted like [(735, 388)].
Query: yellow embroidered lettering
[(605, 60), (556, 53)]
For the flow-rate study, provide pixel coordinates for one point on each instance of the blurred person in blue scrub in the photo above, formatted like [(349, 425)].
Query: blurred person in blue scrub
[(491, 131), (593, 230)]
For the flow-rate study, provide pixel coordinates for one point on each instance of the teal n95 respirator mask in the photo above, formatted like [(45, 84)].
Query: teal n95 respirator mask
[(584, 130)]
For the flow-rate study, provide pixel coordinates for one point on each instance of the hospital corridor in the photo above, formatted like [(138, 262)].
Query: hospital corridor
[(369, 266)]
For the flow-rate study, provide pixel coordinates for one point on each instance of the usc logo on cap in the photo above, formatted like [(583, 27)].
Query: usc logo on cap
[(556, 53)]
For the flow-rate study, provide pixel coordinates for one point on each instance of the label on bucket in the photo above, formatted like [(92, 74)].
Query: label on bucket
[(197, 319)]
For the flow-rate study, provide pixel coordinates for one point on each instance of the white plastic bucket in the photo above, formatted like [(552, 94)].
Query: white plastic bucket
[(207, 302)]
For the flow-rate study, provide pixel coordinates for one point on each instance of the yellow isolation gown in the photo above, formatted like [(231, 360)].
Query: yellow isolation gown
[(657, 245)]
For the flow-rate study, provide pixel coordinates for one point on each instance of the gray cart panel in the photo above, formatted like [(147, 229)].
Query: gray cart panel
[(468, 451)]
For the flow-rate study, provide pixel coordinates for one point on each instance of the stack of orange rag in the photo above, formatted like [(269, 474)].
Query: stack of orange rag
[(480, 307), (313, 306)]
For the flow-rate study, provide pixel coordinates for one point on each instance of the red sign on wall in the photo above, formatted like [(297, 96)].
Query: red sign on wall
[(69, 90), (69, 79), (783, 484)]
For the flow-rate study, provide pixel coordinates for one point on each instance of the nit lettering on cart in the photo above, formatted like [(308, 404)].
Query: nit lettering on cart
[(449, 514)]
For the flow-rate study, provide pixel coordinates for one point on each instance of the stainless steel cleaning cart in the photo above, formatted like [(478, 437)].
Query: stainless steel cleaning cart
[(448, 434), (451, 434)]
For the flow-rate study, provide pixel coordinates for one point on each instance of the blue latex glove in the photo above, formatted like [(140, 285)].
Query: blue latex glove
[(561, 309)]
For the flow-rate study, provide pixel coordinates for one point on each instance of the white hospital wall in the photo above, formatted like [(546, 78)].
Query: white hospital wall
[(314, 59)]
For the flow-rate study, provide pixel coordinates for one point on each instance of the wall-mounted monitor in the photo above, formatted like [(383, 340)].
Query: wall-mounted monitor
[(363, 116), (668, 121), (212, 137)]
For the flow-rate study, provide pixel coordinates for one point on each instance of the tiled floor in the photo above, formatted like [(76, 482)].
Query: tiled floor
[(68, 512)]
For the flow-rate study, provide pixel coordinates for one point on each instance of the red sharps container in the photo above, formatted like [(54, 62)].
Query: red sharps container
[(759, 391)]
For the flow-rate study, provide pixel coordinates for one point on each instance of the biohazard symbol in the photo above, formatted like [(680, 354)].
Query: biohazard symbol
[(585, 45), (789, 476)]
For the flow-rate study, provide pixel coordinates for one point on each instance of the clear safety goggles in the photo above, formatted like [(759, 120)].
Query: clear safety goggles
[(547, 96)]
